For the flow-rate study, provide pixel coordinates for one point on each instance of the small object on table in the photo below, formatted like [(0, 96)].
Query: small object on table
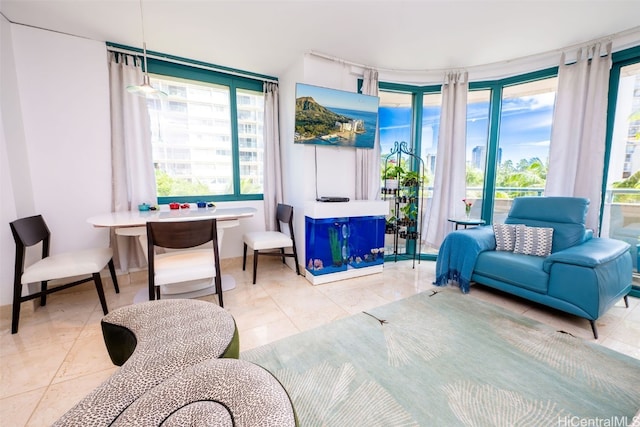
[(143, 207), (185, 206), (466, 222), (174, 205), (201, 204), (211, 205)]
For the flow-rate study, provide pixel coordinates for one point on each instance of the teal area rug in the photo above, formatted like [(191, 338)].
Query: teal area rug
[(446, 359)]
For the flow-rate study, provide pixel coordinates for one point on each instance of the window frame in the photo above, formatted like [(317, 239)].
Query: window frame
[(619, 59), (173, 66), (169, 69), (496, 88)]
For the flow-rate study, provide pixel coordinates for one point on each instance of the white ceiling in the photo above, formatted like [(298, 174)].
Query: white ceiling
[(266, 37)]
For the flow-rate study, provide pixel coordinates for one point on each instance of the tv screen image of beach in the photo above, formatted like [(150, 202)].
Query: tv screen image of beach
[(335, 117)]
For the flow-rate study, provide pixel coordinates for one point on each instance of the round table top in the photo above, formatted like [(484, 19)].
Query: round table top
[(467, 221)]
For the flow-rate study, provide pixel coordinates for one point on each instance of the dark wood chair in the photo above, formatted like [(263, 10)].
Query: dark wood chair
[(272, 243), (33, 230), (186, 265)]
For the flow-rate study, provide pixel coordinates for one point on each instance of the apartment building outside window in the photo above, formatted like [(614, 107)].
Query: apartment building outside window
[(206, 135)]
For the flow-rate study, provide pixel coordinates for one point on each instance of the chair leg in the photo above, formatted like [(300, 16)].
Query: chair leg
[(295, 259), (218, 281), (244, 257), (157, 292), (103, 301), (15, 317), (626, 301), (43, 293), (255, 265), (112, 270), (283, 257), (594, 329)]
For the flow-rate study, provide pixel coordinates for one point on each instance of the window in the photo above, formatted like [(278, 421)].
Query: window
[(621, 216), (523, 143), (508, 135), (207, 141), (411, 114), (477, 137)]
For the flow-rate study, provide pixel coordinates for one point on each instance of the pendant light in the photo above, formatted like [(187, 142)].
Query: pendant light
[(145, 89)]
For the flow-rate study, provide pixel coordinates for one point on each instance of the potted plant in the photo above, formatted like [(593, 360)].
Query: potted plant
[(390, 225), (411, 179), (392, 175), (410, 211)]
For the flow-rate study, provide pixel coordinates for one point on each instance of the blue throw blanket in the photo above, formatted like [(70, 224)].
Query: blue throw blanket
[(458, 253)]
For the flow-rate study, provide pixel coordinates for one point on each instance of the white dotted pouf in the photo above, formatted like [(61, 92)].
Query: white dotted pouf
[(164, 347)]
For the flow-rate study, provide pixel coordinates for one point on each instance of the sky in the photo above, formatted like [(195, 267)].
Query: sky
[(525, 127), (338, 98)]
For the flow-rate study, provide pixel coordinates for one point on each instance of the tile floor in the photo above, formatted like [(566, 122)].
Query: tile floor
[(58, 356)]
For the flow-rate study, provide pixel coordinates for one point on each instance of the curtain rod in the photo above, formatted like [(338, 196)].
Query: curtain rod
[(611, 37), (192, 64)]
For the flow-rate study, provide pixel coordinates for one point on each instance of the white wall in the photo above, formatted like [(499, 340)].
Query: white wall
[(335, 165)]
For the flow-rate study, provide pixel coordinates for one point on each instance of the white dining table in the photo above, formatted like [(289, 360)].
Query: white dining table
[(133, 223)]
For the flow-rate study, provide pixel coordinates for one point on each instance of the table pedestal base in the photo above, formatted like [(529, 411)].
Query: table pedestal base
[(228, 283)]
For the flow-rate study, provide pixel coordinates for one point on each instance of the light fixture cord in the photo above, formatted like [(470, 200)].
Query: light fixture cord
[(144, 45)]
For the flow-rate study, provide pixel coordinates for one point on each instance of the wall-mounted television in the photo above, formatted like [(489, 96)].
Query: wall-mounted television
[(335, 117)]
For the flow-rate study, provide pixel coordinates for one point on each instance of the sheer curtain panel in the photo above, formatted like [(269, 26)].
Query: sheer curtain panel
[(450, 171), (576, 154), (368, 160), (133, 176), (272, 192)]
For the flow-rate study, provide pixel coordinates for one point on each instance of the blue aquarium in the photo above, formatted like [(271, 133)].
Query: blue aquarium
[(339, 244)]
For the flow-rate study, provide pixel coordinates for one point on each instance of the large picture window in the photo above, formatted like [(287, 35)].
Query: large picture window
[(207, 135)]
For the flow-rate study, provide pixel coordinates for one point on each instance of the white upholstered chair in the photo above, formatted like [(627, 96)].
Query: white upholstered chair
[(188, 265), (83, 265), (272, 243)]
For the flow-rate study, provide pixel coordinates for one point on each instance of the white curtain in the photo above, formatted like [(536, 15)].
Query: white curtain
[(450, 171), (273, 193), (133, 177), (368, 160), (576, 154)]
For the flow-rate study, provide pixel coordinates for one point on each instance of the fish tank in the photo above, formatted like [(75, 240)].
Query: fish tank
[(340, 244)]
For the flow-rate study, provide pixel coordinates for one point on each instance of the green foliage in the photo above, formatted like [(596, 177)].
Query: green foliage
[(530, 173), (170, 186), (410, 210), (475, 177), (313, 120), (412, 178), (393, 171), (632, 182)]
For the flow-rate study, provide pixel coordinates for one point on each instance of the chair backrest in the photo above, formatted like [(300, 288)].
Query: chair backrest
[(30, 231), (27, 232), (181, 234), (566, 215), (284, 215)]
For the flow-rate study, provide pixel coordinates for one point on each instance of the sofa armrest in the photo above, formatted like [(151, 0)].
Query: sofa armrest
[(591, 253)]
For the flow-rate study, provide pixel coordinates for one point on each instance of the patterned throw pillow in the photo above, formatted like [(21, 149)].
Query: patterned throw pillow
[(505, 237), (533, 240)]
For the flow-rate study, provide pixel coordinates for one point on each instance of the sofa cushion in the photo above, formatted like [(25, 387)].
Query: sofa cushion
[(505, 237), (566, 215), (535, 241), (520, 270)]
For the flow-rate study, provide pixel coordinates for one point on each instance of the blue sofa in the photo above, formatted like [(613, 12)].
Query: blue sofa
[(583, 275)]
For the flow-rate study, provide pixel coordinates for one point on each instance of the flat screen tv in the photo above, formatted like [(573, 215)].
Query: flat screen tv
[(335, 117)]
